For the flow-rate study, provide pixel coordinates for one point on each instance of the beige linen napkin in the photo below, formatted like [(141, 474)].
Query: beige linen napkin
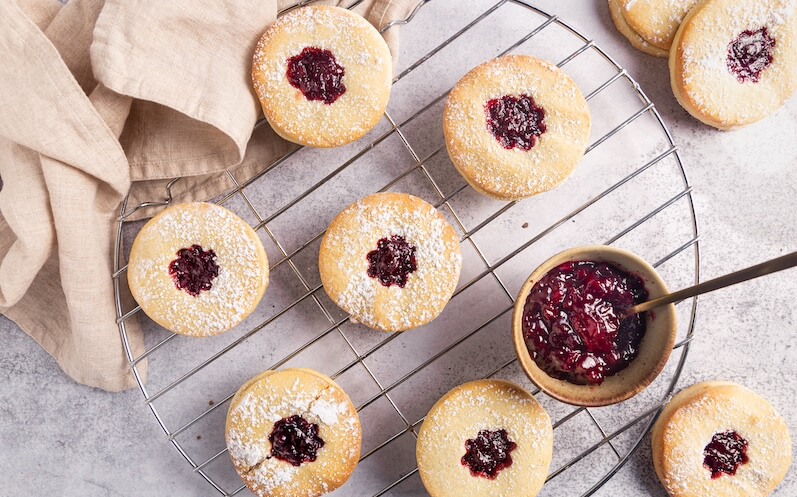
[(101, 97)]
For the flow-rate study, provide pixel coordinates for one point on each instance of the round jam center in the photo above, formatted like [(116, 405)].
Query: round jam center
[(572, 321), (317, 74), (194, 269), (749, 54), (488, 453), (725, 453), (392, 261), (294, 440), (515, 121)]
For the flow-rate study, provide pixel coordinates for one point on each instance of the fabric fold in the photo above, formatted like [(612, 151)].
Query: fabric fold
[(195, 87), (64, 174), (107, 98)]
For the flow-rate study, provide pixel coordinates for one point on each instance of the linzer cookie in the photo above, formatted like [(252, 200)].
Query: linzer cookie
[(322, 75), (197, 269), (655, 21), (734, 62), (391, 261), (515, 126), (720, 439), (636, 40), (488, 438), (292, 432)]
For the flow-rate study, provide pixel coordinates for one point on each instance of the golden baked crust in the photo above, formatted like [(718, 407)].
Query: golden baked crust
[(616, 12), (356, 45), (655, 21), (513, 174), (274, 395), (460, 415), (688, 423), (700, 78), (343, 263), (235, 292)]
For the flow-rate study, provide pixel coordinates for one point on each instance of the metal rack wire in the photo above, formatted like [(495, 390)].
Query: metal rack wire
[(362, 362)]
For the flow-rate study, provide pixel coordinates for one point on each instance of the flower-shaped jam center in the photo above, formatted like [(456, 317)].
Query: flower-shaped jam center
[(725, 453), (515, 121), (194, 269), (317, 74), (392, 261), (294, 440), (488, 453), (574, 325), (749, 54)]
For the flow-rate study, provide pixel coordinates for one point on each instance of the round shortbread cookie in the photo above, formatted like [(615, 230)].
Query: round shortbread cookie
[(515, 126), (197, 269), (292, 432), (720, 439), (391, 261), (734, 62), (322, 75), (486, 438), (655, 21), (616, 12)]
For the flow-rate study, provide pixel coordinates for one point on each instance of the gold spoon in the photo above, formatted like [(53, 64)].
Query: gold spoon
[(772, 266)]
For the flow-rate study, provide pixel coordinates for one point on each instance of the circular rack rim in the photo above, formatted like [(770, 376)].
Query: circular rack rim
[(588, 44)]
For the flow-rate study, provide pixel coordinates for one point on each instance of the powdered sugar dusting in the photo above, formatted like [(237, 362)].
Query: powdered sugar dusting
[(485, 405), (491, 406), (616, 11), (327, 412), (356, 45), (717, 410), (656, 21), (514, 174), (272, 475), (274, 397), (243, 269), (709, 88), (356, 232)]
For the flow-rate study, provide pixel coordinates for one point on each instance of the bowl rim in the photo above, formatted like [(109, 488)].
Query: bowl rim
[(631, 380)]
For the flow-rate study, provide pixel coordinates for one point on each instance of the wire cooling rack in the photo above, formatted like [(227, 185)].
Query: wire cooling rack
[(630, 190)]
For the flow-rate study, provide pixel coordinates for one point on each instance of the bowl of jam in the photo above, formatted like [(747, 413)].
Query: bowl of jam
[(571, 332)]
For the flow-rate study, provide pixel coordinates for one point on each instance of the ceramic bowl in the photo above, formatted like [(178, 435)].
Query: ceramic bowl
[(654, 349)]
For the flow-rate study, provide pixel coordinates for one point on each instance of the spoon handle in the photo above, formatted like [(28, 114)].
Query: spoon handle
[(772, 266)]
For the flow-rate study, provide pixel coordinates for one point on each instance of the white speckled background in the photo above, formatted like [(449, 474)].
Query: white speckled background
[(60, 438)]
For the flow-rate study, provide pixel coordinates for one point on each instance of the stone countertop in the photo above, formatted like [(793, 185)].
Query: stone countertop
[(60, 438)]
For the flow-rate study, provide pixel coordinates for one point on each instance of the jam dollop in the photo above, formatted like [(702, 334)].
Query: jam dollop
[(515, 121), (392, 261), (488, 453), (725, 453), (573, 321), (317, 74), (194, 269), (749, 54), (295, 440)]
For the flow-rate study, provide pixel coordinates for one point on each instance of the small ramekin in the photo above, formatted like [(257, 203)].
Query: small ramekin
[(654, 350)]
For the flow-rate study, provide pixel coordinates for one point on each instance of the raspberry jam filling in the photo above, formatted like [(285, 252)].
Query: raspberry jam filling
[(392, 261), (515, 121), (572, 321), (488, 453), (194, 269), (725, 453), (749, 54), (317, 74), (294, 440)]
